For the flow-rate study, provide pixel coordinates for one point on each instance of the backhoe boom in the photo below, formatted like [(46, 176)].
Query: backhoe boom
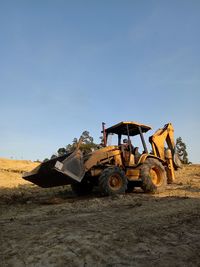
[(158, 140)]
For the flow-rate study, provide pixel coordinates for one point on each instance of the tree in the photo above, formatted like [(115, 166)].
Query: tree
[(181, 150), (69, 148), (87, 145), (87, 139), (61, 151), (53, 156)]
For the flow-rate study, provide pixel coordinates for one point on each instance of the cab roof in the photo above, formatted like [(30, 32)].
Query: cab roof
[(121, 128)]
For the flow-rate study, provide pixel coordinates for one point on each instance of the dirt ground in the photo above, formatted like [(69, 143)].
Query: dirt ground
[(52, 227)]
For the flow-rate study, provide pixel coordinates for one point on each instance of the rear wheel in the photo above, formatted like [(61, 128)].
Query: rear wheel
[(113, 181), (153, 176)]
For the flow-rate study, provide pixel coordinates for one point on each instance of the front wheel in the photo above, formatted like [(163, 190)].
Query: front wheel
[(113, 181), (153, 176)]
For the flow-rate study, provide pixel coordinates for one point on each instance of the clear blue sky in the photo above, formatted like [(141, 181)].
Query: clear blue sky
[(66, 66)]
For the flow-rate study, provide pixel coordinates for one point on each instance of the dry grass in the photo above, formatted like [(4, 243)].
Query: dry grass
[(11, 172)]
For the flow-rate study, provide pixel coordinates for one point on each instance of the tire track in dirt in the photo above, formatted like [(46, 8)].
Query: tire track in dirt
[(117, 235), (53, 228)]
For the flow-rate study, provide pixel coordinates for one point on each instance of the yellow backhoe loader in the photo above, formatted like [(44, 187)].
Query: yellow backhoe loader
[(116, 168)]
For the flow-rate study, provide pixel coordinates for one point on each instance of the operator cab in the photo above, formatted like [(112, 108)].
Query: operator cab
[(124, 131)]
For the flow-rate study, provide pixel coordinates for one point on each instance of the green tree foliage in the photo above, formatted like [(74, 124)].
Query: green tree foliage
[(181, 150), (87, 139), (86, 146), (61, 151), (53, 156)]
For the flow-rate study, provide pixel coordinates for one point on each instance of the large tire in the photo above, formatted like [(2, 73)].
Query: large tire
[(153, 176), (83, 188), (112, 181)]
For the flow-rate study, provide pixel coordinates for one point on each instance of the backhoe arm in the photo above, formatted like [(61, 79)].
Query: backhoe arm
[(158, 140)]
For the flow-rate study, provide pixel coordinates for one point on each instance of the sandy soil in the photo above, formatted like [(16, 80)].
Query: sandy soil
[(52, 227), (11, 172)]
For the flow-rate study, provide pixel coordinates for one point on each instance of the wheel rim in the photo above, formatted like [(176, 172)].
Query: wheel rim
[(156, 176), (115, 182)]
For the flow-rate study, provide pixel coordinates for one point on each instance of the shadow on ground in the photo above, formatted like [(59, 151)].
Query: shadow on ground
[(31, 194)]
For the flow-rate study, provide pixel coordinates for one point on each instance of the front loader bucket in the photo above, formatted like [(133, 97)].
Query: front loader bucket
[(58, 171)]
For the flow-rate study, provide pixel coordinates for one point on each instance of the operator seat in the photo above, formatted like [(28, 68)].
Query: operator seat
[(128, 157), (136, 154)]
